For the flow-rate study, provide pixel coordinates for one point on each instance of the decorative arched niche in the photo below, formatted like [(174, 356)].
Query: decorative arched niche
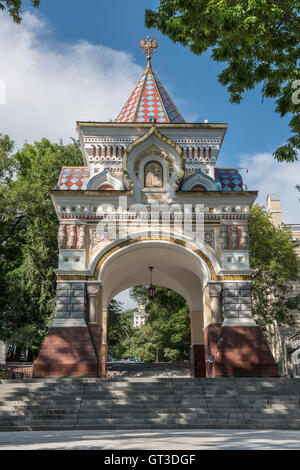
[(199, 180), (105, 181), (154, 147)]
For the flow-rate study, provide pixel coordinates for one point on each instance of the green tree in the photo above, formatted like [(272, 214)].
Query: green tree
[(29, 249), (166, 334), (143, 343), (119, 328), (9, 217), (275, 265), (257, 39), (14, 8)]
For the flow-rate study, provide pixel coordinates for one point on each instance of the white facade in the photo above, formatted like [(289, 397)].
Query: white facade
[(139, 317)]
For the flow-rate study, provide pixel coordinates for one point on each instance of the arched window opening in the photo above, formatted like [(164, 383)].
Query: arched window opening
[(105, 187), (198, 187)]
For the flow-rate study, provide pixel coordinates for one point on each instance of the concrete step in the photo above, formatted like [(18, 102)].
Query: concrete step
[(144, 403)]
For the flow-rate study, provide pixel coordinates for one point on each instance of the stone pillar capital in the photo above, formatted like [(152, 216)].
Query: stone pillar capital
[(215, 290), (93, 289), (215, 294)]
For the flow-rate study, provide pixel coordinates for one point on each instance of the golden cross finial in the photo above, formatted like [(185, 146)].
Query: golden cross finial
[(149, 45)]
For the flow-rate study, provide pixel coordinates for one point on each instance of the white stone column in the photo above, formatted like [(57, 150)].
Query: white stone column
[(93, 291), (234, 237), (101, 146), (185, 152), (62, 236), (196, 317), (72, 236), (215, 293), (82, 237), (244, 242), (223, 237)]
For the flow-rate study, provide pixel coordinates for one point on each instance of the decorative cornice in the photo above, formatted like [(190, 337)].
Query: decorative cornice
[(117, 217), (148, 125), (91, 192)]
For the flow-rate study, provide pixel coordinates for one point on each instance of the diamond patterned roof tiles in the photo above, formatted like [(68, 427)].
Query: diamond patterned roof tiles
[(148, 101), (229, 178), (73, 178)]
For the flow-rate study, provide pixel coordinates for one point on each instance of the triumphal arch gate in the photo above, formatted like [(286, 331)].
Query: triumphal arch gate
[(150, 195)]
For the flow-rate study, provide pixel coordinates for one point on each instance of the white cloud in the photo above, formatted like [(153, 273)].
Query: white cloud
[(271, 177), (50, 85)]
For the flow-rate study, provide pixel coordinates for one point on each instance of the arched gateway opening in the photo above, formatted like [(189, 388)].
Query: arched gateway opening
[(179, 265), (149, 332)]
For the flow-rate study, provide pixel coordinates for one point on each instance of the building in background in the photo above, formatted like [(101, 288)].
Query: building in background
[(285, 340), (139, 317)]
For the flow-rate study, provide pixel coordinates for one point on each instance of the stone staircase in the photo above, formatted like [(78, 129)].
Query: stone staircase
[(149, 403)]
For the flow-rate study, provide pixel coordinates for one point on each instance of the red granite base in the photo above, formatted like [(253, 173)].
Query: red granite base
[(238, 351), (197, 360), (66, 352), (95, 333)]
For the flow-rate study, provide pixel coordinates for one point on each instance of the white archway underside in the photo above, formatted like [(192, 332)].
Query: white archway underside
[(174, 267)]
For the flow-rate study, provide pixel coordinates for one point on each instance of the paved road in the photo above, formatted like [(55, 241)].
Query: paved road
[(151, 440)]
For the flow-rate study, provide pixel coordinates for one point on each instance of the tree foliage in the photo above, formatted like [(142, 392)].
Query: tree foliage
[(119, 328), (14, 8), (28, 245), (257, 39), (166, 334), (276, 266)]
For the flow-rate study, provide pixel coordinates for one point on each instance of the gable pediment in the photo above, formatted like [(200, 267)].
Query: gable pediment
[(199, 179), (105, 180)]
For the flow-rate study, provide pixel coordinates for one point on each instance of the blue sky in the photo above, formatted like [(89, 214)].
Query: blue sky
[(191, 80)]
